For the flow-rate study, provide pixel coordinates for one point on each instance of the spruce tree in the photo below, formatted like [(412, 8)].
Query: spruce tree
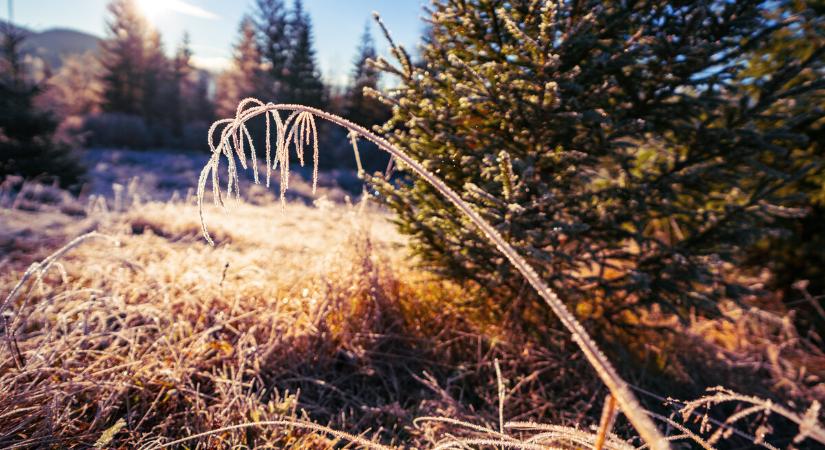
[(272, 23), (189, 90), (612, 143), (122, 58), (155, 76), (27, 144), (360, 108), (200, 106), (794, 58), (181, 86), (244, 78), (303, 81)]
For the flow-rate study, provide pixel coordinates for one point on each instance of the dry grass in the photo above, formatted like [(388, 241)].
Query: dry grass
[(310, 327), (298, 129), (301, 326), (310, 313)]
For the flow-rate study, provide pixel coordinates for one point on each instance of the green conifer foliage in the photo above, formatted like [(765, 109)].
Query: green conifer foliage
[(793, 60), (273, 27), (360, 108), (27, 144), (303, 81), (612, 143), (246, 77), (123, 59), (156, 78)]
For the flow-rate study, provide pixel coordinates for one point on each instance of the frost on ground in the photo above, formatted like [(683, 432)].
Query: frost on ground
[(162, 175), (315, 313)]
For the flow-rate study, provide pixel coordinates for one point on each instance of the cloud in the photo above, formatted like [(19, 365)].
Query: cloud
[(184, 7)]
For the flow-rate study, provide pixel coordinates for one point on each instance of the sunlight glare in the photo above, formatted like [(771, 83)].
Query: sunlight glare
[(152, 9)]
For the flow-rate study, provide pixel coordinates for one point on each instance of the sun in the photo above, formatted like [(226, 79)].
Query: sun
[(152, 9)]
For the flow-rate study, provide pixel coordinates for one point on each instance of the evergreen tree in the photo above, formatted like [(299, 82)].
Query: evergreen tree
[(244, 78), (27, 144), (182, 88), (303, 81), (200, 105), (272, 24), (122, 58), (188, 96), (794, 59), (75, 90), (156, 81), (612, 143), (363, 109)]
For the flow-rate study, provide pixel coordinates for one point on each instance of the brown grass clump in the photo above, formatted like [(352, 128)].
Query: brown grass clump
[(298, 129), (299, 327), (310, 327), (312, 314)]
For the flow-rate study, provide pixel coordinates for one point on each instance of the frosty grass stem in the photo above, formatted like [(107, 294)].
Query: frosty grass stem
[(299, 127)]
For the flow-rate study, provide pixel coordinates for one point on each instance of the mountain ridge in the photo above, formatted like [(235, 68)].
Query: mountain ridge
[(52, 45)]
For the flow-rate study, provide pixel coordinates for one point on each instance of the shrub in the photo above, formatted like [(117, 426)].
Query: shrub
[(796, 254), (612, 144), (193, 133), (117, 130)]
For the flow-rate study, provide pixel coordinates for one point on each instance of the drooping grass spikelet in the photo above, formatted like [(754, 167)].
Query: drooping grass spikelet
[(501, 394), (237, 141), (252, 154), (268, 149), (315, 154)]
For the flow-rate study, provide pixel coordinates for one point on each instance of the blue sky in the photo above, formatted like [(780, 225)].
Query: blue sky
[(213, 25)]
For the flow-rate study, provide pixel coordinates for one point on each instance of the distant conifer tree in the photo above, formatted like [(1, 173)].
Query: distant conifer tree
[(27, 144), (273, 28), (303, 81), (244, 78), (122, 57), (360, 108), (156, 77), (181, 89)]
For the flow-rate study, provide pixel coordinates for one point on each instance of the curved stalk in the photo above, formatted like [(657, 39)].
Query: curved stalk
[(618, 387)]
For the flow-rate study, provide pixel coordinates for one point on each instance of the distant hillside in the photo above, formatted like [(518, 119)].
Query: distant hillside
[(54, 44)]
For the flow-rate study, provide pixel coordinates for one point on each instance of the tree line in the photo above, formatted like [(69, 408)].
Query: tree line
[(133, 94), (273, 59)]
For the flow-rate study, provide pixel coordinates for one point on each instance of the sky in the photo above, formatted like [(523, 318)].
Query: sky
[(213, 25)]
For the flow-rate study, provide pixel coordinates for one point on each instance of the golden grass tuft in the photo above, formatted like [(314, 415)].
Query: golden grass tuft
[(305, 328), (312, 314)]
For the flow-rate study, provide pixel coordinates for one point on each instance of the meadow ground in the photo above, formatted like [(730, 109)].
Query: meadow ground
[(315, 311), (143, 334)]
